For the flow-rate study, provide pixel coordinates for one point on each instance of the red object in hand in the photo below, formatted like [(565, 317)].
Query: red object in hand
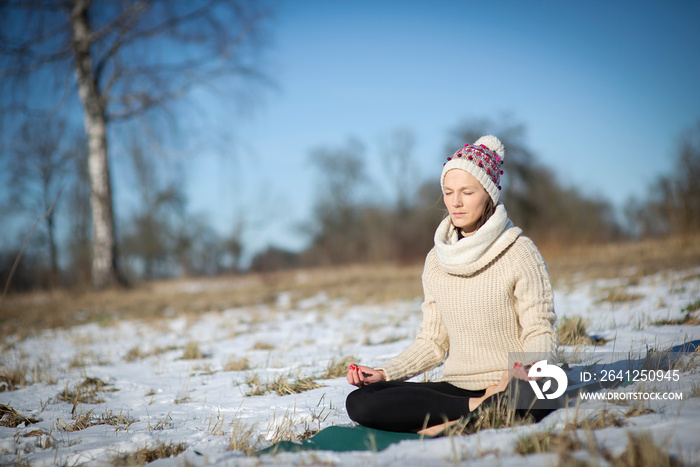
[(352, 367)]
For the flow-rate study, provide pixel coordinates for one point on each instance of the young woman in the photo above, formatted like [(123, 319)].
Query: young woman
[(488, 299)]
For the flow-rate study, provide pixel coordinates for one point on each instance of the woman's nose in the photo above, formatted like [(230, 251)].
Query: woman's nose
[(456, 201)]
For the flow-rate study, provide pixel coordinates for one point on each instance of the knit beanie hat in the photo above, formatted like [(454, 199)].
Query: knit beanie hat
[(483, 160)]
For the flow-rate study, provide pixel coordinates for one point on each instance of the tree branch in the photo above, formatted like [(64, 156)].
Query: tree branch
[(26, 241)]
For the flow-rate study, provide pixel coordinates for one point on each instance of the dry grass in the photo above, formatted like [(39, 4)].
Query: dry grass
[(694, 390), (135, 353), (600, 419), (85, 420), (192, 352), (85, 392), (10, 418), (281, 385), (620, 295), (241, 437), (338, 368), (641, 450), (631, 259), (572, 331), (13, 378), (146, 455), (547, 441), (237, 364), (689, 319), (22, 374), (163, 424), (25, 314), (691, 307), (259, 345), (495, 416), (638, 410)]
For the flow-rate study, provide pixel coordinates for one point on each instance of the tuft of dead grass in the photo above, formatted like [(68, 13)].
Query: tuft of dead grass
[(598, 420), (495, 416), (13, 378), (84, 420), (638, 410), (691, 307), (572, 331), (242, 438), (10, 418), (689, 319), (641, 451), (539, 442), (163, 424), (85, 392), (282, 386), (262, 346), (147, 454), (338, 368), (134, 354), (620, 295), (234, 364), (21, 374), (192, 352), (694, 390)]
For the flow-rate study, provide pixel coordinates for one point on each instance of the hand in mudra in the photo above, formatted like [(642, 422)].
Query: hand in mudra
[(519, 372), (363, 375)]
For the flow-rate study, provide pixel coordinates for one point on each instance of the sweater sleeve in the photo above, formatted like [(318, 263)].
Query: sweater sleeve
[(430, 346), (535, 306)]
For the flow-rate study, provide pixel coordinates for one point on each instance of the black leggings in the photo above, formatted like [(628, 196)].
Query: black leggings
[(405, 406)]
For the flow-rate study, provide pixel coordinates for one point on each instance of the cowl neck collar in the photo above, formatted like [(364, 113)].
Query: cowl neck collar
[(467, 255)]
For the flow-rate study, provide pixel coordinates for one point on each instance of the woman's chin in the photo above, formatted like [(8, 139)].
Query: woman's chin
[(462, 224)]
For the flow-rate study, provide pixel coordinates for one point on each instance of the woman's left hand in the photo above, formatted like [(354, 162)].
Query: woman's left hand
[(521, 372)]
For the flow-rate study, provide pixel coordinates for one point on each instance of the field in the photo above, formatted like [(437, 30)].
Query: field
[(207, 371)]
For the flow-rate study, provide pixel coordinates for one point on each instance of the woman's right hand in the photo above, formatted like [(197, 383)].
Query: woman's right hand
[(363, 375)]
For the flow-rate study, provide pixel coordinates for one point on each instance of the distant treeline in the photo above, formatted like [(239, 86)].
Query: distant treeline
[(350, 230), (388, 215)]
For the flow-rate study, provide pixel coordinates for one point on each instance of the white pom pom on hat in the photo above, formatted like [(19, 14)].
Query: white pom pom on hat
[(483, 160), (493, 144)]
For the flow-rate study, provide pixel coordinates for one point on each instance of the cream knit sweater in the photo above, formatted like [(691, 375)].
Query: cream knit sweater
[(480, 314)]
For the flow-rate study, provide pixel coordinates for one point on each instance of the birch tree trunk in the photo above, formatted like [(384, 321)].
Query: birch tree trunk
[(103, 247)]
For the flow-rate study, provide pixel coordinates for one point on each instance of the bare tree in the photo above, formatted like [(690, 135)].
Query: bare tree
[(396, 150), (673, 203), (151, 233), (124, 59), (341, 175), (38, 166)]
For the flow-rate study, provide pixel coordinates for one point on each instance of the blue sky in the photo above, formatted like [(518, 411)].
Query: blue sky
[(604, 89)]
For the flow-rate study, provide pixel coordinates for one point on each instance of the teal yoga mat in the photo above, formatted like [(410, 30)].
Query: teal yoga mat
[(344, 438)]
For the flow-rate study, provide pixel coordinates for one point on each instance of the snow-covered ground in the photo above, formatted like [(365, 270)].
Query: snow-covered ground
[(153, 396)]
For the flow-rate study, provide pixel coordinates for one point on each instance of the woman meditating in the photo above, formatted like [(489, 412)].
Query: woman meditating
[(488, 298)]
